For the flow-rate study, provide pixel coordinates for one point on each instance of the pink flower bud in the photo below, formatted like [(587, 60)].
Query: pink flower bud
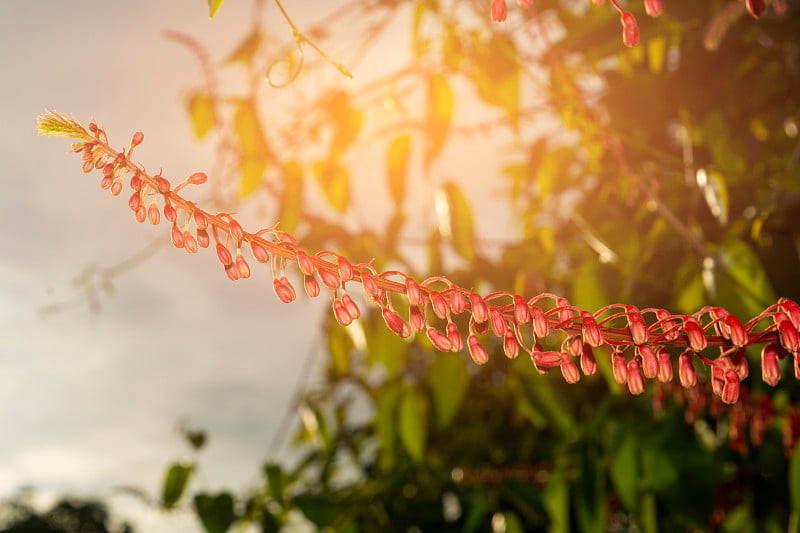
[(116, 187), (200, 219), (592, 335), (241, 266), (630, 31), (170, 213), (669, 328), (544, 359), (649, 361), (717, 379), (525, 4), (499, 326), (137, 139), (136, 183), (480, 312), (635, 380), (730, 391), (498, 10), (588, 362), (541, 327), (141, 213), (522, 314), (477, 351), (415, 319), (369, 284), (686, 371), (697, 339), (177, 237), (259, 252), (198, 178), (457, 302), (797, 366), (787, 334), (162, 183), (305, 263), (439, 304), (565, 314), (637, 326), (619, 367), (330, 279), (341, 314), (350, 306), (569, 370), (311, 286), (284, 290), (792, 310), (106, 183), (573, 345), (232, 272), (108, 170), (739, 365), (718, 316), (153, 214), (664, 366), (439, 340), (223, 254), (189, 242), (456, 342), (396, 324), (135, 201), (652, 7), (345, 268), (202, 238), (755, 7), (736, 330), (510, 344), (88, 166), (770, 370), (413, 292)]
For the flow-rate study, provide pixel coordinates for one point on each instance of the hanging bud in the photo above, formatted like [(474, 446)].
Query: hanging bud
[(396, 324), (787, 334), (717, 379), (730, 391), (345, 268), (369, 284), (669, 328), (652, 7), (649, 361), (755, 7), (198, 178), (480, 312), (135, 201), (498, 10), (792, 310), (637, 326), (569, 370), (630, 31), (588, 362), (592, 335), (664, 366), (284, 290), (456, 342), (311, 286), (686, 371), (635, 380), (330, 279), (573, 345), (619, 367), (457, 302), (499, 326), (439, 340), (153, 214), (413, 292), (170, 213), (415, 319), (697, 339), (189, 242), (305, 263), (541, 327), (232, 272), (203, 239), (350, 306), (200, 219), (341, 314), (736, 331), (510, 344), (770, 369), (564, 313), (259, 252), (141, 213), (223, 254), (544, 359), (522, 314), (439, 304), (477, 351), (177, 237)]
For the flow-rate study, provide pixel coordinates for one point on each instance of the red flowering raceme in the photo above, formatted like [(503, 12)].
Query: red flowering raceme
[(498, 10)]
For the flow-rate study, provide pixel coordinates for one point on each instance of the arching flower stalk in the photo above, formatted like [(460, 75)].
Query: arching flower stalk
[(643, 342)]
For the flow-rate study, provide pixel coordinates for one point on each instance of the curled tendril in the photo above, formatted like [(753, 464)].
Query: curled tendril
[(293, 66)]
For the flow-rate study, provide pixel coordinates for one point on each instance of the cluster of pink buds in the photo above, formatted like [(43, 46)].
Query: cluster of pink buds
[(642, 342)]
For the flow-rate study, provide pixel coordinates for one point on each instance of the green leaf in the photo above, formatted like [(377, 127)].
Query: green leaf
[(397, 167), (624, 469), (340, 343), (448, 379), (589, 289), (175, 483), (196, 438), (497, 74), (320, 510), (513, 523), (274, 476), (253, 145), (715, 190), (590, 491), (743, 287), (202, 113), (794, 489), (690, 293), (555, 497), (385, 421), (215, 512), (291, 197), (455, 220), (413, 422), (213, 7), (439, 114), (334, 180)]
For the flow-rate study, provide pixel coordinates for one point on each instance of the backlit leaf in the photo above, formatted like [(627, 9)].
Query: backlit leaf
[(742, 283), (496, 73), (215, 512), (339, 345), (213, 6), (455, 219), (202, 112), (397, 167), (333, 179), (247, 48), (589, 290), (413, 422), (624, 469), (274, 475), (291, 197), (175, 484), (448, 379), (318, 509), (555, 497), (439, 113), (385, 423), (253, 146), (794, 489)]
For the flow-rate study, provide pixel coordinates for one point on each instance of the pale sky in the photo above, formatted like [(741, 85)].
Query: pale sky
[(91, 401)]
